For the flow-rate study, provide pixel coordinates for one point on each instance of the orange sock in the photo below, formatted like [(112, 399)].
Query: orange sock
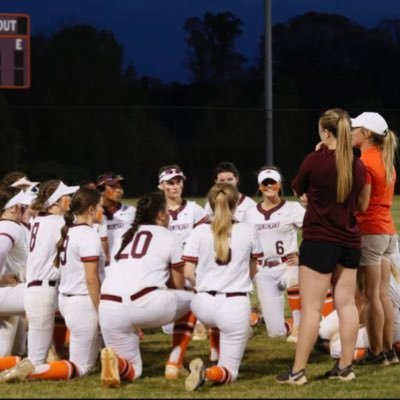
[(213, 334), (359, 353), (126, 370), (328, 306), (61, 370), (8, 362), (183, 331), (219, 375)]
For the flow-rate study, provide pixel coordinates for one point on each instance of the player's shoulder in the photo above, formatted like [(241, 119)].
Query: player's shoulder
[(11, 227), (127, 208), (293, 205)]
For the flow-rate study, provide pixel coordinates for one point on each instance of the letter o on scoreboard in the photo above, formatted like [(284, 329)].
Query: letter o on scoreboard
[(15, 51)]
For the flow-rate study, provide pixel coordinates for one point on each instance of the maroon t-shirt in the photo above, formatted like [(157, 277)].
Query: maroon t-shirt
[(325, 218)]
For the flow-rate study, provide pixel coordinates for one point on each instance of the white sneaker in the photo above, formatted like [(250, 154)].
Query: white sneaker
[(200, 332), (109, 369), (173, 372), (197, 375), (18, 372), (292, 338)]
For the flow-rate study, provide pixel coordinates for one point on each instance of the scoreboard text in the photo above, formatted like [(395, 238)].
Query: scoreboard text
[(14, 51)]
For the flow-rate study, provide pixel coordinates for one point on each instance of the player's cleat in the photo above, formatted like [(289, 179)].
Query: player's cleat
[(18, 372), (200, 332), (174, 372), (371, 359), (196, 377), (292, 338), (109, 369), (52, 354), (391, 357), (343, 374), (299, 378)]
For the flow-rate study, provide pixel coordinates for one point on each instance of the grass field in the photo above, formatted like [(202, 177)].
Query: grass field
[(263, 360)]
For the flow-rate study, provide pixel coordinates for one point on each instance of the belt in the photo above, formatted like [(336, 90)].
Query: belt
[(72, 295), (135, 296), (231, 294), (40, 283), (275, 262)]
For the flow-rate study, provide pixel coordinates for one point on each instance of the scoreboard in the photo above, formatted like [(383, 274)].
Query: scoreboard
[(14, 51)]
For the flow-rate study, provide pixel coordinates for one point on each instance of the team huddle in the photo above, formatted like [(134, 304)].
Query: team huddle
[(109, 271)]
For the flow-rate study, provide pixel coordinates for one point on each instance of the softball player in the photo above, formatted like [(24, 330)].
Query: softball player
[(278, 222), (221, 260), (42, 277), (135, 291), (13, 255), (118, 215), (226, 172), (184, 216)]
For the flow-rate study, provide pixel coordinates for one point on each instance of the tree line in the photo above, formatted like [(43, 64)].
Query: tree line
[(87, 113)]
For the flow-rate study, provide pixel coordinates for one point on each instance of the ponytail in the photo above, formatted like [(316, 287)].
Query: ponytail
[(223, 199), (69, 220), (389, 150)]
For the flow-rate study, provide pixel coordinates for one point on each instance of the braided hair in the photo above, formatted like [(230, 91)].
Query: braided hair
[(45, 191), (82, 199), (147, 208)]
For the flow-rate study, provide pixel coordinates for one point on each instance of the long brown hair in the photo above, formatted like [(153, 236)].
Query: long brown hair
[(46, 189), (82, 199), (147, 208), (337, 121), (223, 198)]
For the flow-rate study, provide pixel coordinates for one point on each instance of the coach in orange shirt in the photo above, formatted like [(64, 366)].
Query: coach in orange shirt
[(378, 145)]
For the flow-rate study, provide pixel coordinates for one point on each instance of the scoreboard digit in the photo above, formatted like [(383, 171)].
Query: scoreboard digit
[(15, 51)]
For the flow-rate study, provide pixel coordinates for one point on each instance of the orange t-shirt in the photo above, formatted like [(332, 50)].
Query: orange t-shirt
[(377, 219)]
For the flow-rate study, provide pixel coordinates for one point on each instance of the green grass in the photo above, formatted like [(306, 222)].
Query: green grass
[(263, 360)]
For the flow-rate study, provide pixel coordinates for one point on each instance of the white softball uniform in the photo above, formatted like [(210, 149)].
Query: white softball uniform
[(42, 281), (134, 293), (243, 204), (222, 298), (117, 223), (82, 244), (13, 255), (185, 218), (277, 230)]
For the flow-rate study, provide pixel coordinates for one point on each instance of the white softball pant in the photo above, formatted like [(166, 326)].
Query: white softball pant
[(40, 307), (11, 306), (269, 283), (119, 320), (231, 316), (82, 321)]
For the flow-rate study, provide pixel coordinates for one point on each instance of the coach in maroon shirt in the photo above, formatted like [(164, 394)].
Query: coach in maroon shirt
[(333, 182)]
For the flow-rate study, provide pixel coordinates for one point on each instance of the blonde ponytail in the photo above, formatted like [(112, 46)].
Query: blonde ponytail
[(223, 199)]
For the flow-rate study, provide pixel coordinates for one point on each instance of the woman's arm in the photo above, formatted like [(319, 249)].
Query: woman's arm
[(363, 198), (189, 272), (176, 277), (253, 267), (93, 282)]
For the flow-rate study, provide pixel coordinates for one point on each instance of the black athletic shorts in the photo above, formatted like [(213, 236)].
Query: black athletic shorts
[(323, 256)]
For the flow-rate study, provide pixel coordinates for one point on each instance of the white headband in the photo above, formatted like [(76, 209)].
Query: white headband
[(269, 174), (25, 181), (62, 190), (20, 198), (169, 174)]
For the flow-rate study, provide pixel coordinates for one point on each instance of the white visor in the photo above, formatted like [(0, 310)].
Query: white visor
[(169, 174), (62, 190), (25, 181), (20, 198), (268, 174)]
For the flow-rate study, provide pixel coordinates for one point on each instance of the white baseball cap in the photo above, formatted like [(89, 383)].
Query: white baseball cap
[(269, 174), (169, 174), (372, 121), (62, 190), (26, 182), (20, 198)]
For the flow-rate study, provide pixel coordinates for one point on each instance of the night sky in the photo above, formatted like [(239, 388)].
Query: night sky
[(151, 31)]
